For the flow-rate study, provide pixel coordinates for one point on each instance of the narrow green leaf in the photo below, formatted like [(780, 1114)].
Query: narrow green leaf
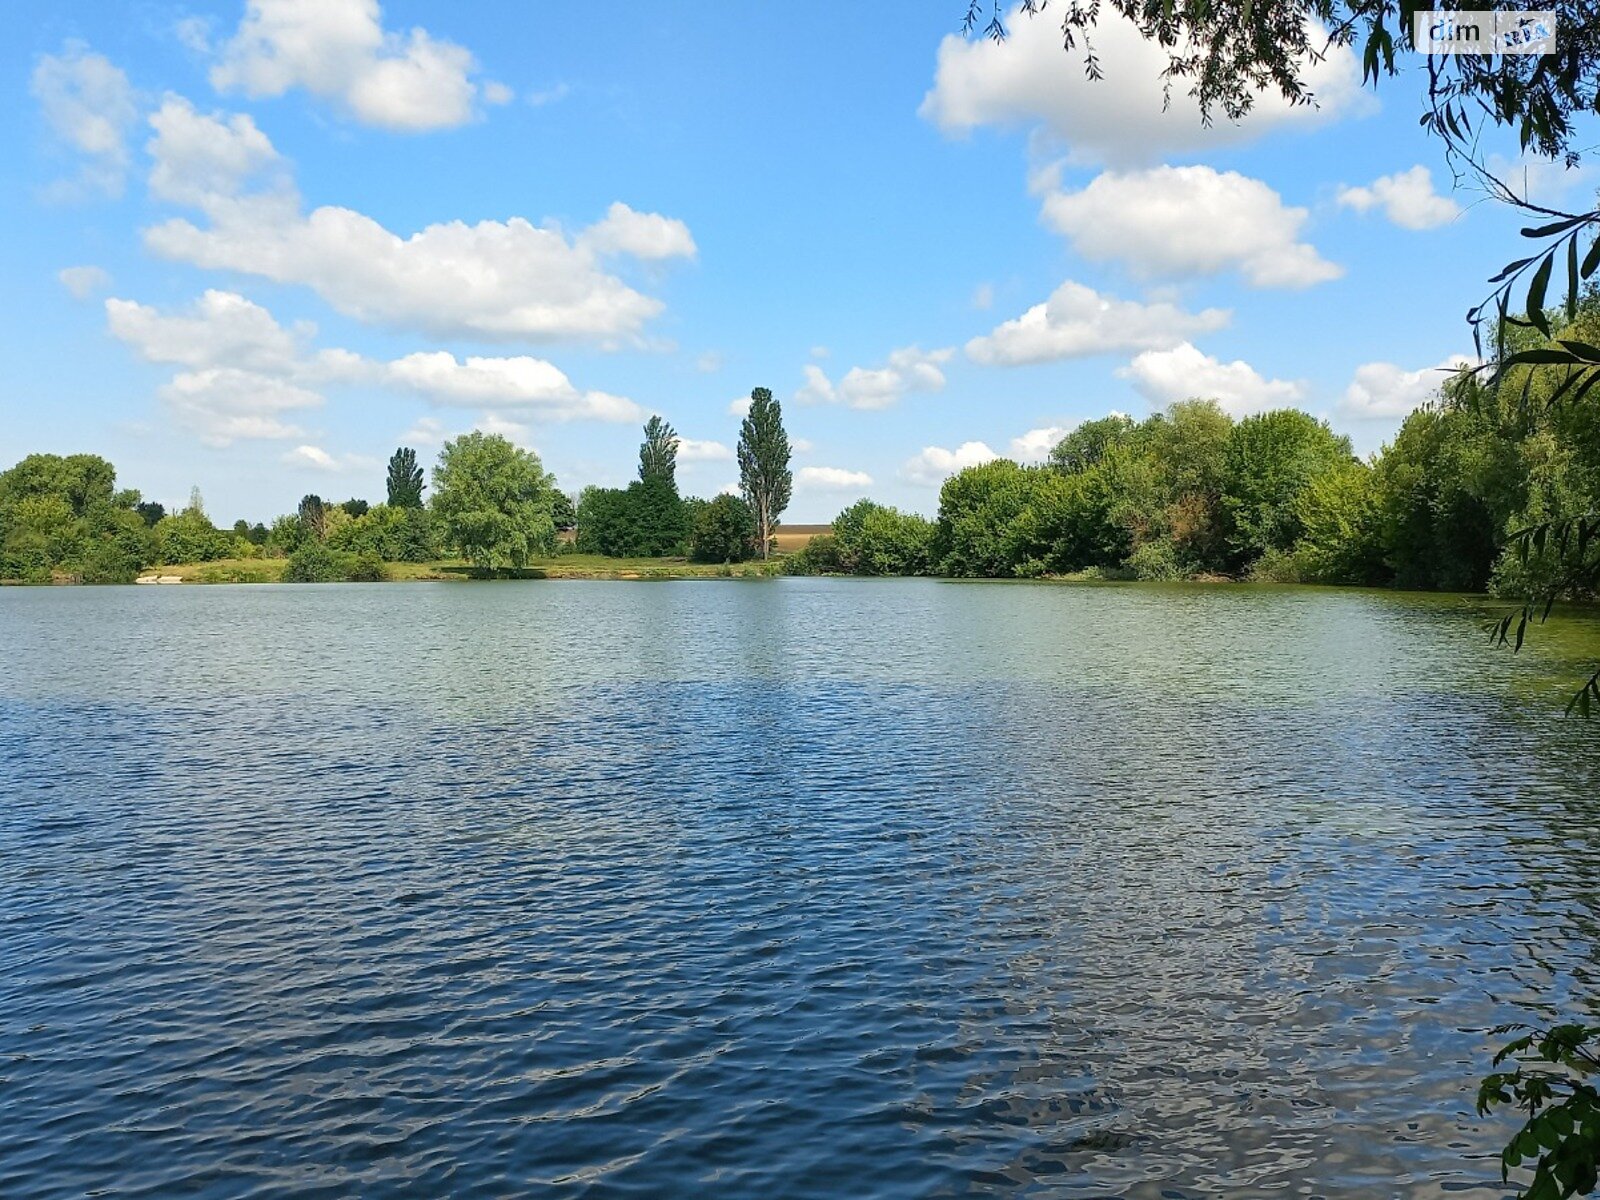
[(1536, 291), (1572, 278)]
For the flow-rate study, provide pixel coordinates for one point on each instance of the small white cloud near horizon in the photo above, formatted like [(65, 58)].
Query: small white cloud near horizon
[(909, 369), (1077, 321), (318, 459), (89, 104), (519, 382), (1180, 222), (1407, 198), (84, 281), (339, 51), (695, 450), (538, 99), (1164, 377), (1035, 445), (425, 431), (244, 370), (831, 479), (1382, 390), (221, 405), (934, 464)]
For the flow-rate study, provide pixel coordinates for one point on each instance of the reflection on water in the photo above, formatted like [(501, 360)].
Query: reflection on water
[(793, 888)]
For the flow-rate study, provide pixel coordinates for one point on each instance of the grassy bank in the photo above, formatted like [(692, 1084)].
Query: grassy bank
[(561, 566)]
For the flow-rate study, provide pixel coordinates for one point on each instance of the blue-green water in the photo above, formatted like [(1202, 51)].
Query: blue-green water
[(793, 888)]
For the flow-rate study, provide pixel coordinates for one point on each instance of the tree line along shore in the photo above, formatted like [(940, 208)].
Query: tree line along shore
[(1188, 493)]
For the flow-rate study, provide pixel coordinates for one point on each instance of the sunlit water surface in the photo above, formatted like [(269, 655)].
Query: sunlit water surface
[(787, 888)]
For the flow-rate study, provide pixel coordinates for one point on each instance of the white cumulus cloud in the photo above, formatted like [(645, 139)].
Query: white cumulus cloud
[(224, 404), (831, 479), (1166, 376), (521, 382), (695, 450), (199, 157), (1077, 321), (1036, 444), (934, 464), (646, 236), (1407, 198), (246, 370), (909, 369), (1174, 222), (84, 282), (493, 280), (339, 51), (89, 104), (1384, 390), (220, 329), (1029, 80)]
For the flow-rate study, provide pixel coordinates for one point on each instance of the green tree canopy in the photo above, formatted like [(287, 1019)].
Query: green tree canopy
[(1269, 459), (1087, 444), (494, 500)]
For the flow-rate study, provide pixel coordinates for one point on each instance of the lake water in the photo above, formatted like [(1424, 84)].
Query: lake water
[(803, 888)]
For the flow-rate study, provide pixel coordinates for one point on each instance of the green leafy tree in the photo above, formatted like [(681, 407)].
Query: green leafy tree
[(1341, 520), (1269, 459), (978, 509), (724, 531), (494, 501), (355, 507), (563, 512), (764, 475), (405, 479), (658, 456), (150, 511), (1087, 444), (874, 539)]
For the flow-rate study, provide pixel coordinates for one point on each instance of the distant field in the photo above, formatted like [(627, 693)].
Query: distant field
[(790, 538)]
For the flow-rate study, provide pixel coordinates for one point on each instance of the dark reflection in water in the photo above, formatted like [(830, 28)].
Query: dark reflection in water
[(810, 888)]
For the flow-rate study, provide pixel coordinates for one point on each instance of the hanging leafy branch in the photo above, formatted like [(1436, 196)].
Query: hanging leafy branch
[(1560, 1138)]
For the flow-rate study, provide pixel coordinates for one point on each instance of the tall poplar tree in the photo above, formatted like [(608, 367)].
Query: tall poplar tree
[(658, 456), (764, 474)]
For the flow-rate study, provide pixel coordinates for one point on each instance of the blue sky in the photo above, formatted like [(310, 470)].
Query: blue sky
[(255, 246)]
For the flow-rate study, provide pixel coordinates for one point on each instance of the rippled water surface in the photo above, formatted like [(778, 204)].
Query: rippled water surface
[(788, 888)]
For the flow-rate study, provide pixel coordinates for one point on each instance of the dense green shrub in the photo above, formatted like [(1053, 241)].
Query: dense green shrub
[(390, 533), (64, 516), (874, 539), (316, 562), (366, 567), (190, 537), (819, 556), (646, 519), (723, 530)]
